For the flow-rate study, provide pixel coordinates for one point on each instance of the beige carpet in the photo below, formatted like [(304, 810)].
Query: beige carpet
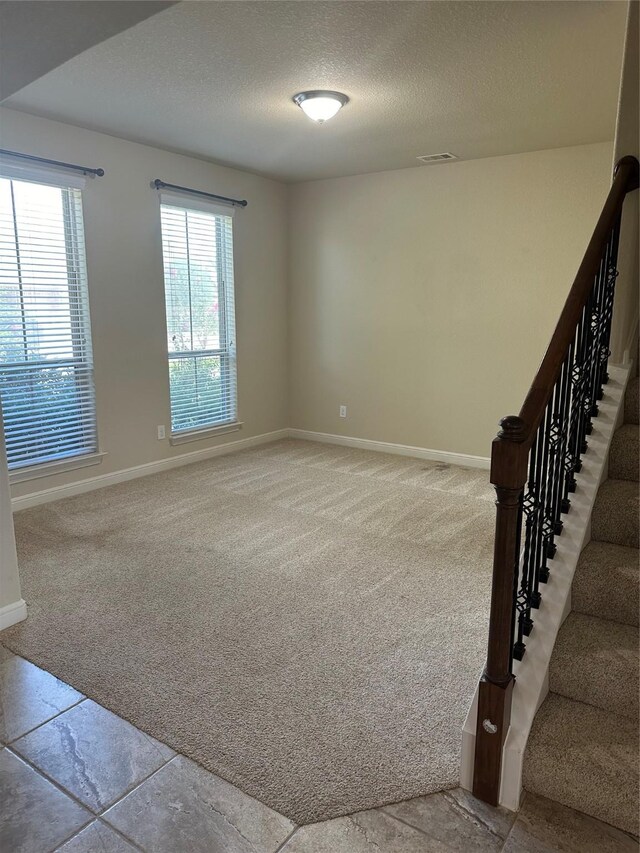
[(307, 621)]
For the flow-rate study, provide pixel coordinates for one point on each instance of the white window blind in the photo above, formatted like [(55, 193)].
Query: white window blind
[(46, 369), (197, 247)]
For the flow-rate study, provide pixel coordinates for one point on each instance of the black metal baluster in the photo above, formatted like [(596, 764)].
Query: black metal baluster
[(555, 464), (612, 274), (523, 596), (552, 444), (579, 396), (536, 532), (516, 578), (540, 558), (543, 571), (605, 320), (565, 402), (597, 312), (584, 421), (570, 458)]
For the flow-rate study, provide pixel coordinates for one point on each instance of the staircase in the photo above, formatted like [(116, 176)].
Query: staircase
[(583, 747)]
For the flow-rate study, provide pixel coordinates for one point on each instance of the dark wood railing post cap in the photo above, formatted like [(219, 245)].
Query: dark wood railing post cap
[(634, 176), (509, 453), (512, 428)]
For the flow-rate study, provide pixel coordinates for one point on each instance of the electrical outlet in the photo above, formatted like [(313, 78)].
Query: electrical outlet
[(343, 411), (161, 433)]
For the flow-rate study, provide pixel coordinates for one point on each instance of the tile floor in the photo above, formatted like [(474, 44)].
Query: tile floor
[(76, 778)]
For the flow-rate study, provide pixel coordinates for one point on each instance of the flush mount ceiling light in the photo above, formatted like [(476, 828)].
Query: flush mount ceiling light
[(320, 104)]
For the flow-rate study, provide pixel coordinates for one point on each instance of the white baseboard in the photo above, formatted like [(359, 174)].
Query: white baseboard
[(12, 613), (388, 447), (102, 480), (91, 483), (532, 672)]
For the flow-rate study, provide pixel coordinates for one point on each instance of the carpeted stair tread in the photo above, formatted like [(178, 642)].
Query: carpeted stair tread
[(624, 455), (585, 758), (607, 582), (631, 401), (595, 661), (615, 513)]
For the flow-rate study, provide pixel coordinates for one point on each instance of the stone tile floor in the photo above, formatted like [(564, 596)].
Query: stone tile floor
[(76, 778)]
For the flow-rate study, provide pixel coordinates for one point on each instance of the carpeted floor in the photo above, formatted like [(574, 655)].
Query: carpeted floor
[(307, 621)]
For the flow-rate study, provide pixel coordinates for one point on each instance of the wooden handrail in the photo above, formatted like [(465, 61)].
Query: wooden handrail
[(541, 448)]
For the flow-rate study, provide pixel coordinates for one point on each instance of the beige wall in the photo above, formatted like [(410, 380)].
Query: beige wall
[(409, 291), (124, 257), (625, 316), (424, 298)]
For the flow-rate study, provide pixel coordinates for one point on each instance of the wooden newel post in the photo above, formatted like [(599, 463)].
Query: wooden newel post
[(509, 455)]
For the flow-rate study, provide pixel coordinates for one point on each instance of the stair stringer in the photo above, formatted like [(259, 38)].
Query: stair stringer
[(532, 672)]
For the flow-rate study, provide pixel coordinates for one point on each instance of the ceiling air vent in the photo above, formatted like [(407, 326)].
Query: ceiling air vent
[(437, 158)]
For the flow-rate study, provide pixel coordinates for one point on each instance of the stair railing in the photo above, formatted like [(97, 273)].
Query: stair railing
[(534, 460)]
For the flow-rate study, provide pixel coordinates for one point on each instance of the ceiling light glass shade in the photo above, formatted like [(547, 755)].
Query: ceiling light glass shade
[(320, 105)]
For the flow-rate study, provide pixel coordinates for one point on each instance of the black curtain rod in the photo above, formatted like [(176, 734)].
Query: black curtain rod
[(98, 173), (237, 202)]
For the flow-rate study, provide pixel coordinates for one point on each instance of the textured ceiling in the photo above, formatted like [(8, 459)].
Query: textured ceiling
[(39, 35), (215, 79)]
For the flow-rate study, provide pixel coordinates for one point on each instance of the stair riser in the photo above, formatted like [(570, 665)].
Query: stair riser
[(624, 456), (596, 662), (571, 798), (596, 696), (610, 596), (631, 402), (615, 514), (586, 759), (622, 530), (624, 465)]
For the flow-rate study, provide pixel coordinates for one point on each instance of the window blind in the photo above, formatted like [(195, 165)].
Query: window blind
[(46, 368), (197, 247)]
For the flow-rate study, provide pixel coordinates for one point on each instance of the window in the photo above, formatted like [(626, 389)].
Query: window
[(46, 369), (197, 247)]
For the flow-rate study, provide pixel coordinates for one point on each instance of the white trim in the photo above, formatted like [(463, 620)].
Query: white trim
[(532, 672), (178, 438), (47, 469), (102, 480), (13, 613), (399, 449)]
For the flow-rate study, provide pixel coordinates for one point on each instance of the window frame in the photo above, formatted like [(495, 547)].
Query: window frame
[(225, 283), (79, 315)]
